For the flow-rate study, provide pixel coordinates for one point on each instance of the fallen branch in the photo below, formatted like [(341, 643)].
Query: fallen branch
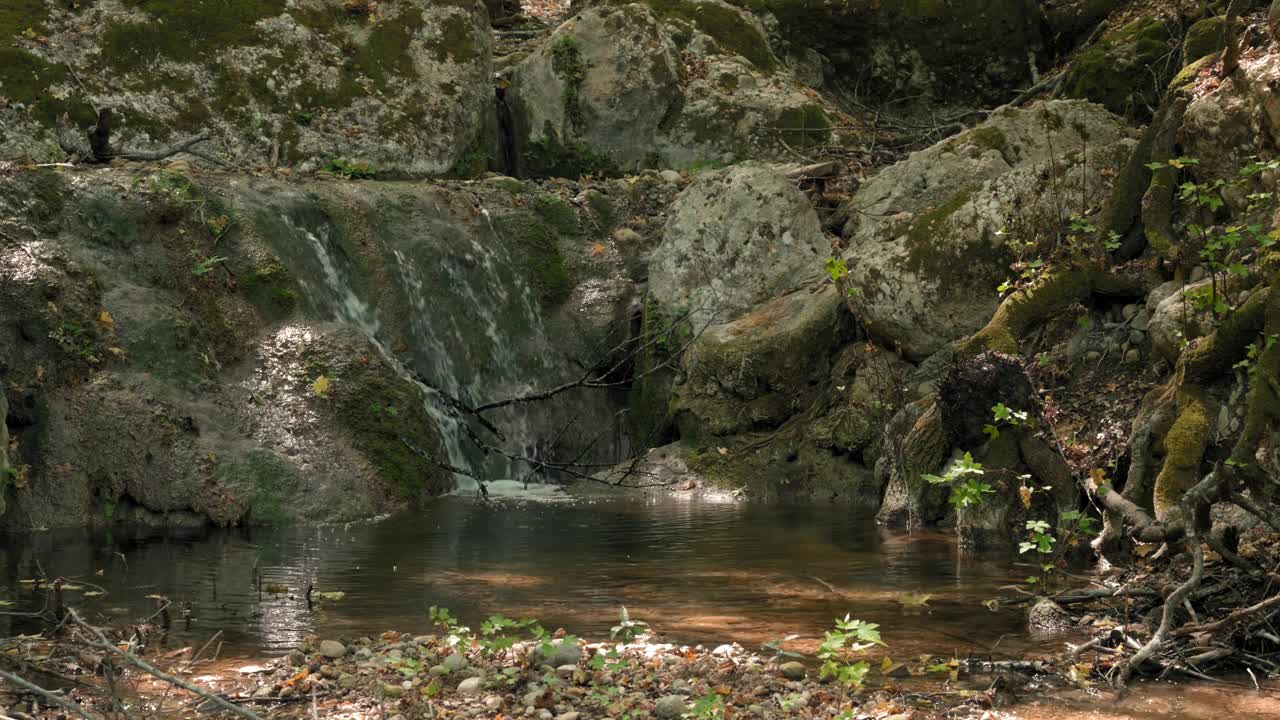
[(49, 695), (151, 156), (105, 644), (1231, 619)]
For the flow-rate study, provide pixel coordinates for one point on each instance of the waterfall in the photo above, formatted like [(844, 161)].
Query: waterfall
[(475, 327)]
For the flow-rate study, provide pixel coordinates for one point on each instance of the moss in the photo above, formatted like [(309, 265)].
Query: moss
[(1212, 356), (989, 137), (1116, 71), (459, 41), (28, 78), (1205, 37), (108, 222), (931, 259), (170, 348), (185, 30), (1185, 445), (725, 25), (557, 214), (384, 56), (267, 481), (383, 413), (534, 244), (271, 289), (1020, 311), (1187, 77), (566, 61)]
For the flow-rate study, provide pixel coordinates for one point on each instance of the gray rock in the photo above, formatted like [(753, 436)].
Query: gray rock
[(1047, 617), (562, 653), (1137, 337), (346, 681), (493, 702), (1141, 320), (793, 670), (264, 691), (670, 707), (332, 649), (1128, 311), (390, 690), (671, 176), (296, 657), (736, 238), (571, 715), (455, 662), (1198, 273), (1133, 356), (924, 235), (470, 685)]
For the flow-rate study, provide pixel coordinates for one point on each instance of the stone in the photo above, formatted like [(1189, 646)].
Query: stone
[(1128, 311), (566, 672), (1141, 320), (671, 176), (390, 690), (328, 671), (924, 238), (1133, 356), (346, 681), (332, 649), (1136, 337), (1047, 617), (793, 670), (470, 685), (670, 707), (735, 238), (562, 653), (455, 662), (296, 657), (349, 74), (544, 714), (571, 715), (264, 692)]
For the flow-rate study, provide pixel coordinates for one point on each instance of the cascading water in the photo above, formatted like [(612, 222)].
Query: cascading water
[(476, 332)]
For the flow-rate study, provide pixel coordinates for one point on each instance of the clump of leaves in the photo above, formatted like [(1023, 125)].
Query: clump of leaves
[(842, 650), (776, 646), (963, 477)]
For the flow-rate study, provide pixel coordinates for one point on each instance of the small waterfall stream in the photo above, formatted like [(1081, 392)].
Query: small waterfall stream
[(475, 328)]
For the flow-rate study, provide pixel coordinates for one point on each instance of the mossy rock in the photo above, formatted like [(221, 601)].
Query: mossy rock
[(1116, 71), (732, 30), (1205, 37), (267, 483)]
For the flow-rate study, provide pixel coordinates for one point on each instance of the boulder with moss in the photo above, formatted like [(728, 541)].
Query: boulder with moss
[(401, 86), (1127, 69), (930, 238), (624, 86)]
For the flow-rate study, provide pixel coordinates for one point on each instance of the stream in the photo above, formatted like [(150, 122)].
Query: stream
[(697, 572)]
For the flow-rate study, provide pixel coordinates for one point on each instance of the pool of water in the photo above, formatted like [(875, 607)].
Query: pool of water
[(696, 572)]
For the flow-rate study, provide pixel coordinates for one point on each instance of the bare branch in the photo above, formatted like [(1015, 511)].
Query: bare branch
[(49, 695)]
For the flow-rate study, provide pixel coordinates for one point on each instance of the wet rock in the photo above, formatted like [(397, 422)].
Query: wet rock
[(793, 670), (669, 707), (1047, 616), (332, 649), (296, 657), (470, 685)]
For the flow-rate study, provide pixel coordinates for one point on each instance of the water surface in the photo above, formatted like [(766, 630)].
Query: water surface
[(696, 572)]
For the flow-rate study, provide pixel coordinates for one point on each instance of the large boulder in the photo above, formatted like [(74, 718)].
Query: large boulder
[(931, 237), (402, 86), (734, 239), (1127, 69), (623, 86)]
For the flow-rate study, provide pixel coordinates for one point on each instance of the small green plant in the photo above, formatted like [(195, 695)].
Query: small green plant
[(775, 646), (1002, 416), (709, 707), (206, 266), (351, 169), (963, 478), (455, 632), (627, 629), (842, 650)]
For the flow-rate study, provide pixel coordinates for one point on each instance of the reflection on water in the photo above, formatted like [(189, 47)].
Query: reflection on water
[(703, 573)]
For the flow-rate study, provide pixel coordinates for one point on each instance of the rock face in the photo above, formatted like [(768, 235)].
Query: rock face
[(405, 86), (1116, 71), (608, 91), (734, 239), (180, 350), (931, 237)]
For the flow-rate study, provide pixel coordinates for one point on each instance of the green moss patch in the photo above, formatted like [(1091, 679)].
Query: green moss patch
[(267, 481), (185, 30), (725, 25), (1116, 71)]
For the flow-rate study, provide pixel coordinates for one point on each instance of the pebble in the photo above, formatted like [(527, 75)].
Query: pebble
[(332, 649), (328, 671), (391, 691), (793, 670), (1136, 337), (1093, 356), (346, 681), (1142, 320), (296, 658), (627, 237), (470, 685), (1133, 356), (571, 715), (544, 714), (670, 176), (493, 702), (455, 662), (669, 707), (1128, 311), (264, 691)]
